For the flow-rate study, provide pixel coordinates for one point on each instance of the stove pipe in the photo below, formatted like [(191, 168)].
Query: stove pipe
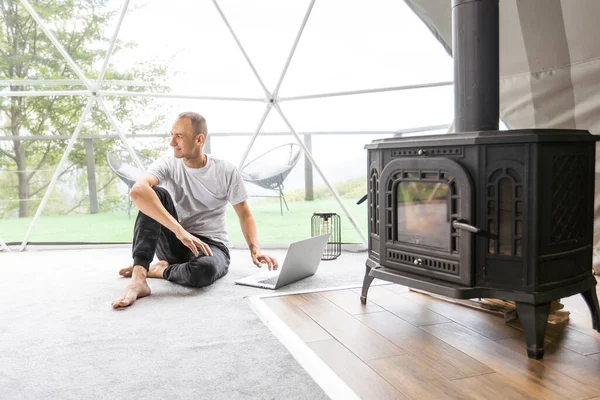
[(476, 52)]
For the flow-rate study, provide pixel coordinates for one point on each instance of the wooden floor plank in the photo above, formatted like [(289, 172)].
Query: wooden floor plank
[(381, 356), (578, 342), (577, 304), (489, 325), (357, 337), (440, 357), (415, 379), (307, 298), (572, 339), (552, 331), (570, 363), (403, 308), (396, 288), (582, 322), (359, 377), (532, 376), (494, 386), (302, 325), (350, 302), (595, 357)]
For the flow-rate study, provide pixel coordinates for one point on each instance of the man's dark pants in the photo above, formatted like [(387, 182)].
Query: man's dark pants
[(150, 237)]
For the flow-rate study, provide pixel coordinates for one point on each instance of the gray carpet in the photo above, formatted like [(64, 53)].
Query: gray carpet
[(60, 339)]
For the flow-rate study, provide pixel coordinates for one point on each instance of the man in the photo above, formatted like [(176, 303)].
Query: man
[(183, 221)]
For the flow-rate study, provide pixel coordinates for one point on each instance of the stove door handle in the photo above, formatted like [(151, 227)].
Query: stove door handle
[(462, 224)]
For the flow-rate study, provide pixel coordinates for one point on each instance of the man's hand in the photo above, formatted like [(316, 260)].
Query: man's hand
[(193, 243), (258, 259), (249, 230)]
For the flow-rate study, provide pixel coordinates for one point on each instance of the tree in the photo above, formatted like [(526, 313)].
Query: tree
[(27, 53)]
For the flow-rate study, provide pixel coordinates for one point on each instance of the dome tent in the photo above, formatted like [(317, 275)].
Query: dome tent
[(300, 52)]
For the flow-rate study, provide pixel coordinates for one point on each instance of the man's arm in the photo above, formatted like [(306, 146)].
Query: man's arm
[(147, 201), (249, 230)]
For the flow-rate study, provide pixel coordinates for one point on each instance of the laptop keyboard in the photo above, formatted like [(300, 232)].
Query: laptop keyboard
[(270, 281)]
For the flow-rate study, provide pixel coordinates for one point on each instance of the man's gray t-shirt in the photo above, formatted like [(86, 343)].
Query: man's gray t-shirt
[(201, 194)]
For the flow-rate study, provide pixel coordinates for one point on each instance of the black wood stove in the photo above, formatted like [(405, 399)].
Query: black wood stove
[(485, 213)]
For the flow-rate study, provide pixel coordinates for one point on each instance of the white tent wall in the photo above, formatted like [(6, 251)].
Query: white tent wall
[(549, 65), (549, 60)]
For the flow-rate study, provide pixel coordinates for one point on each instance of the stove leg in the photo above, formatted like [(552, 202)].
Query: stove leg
[(591, 298), (534, 318), (366, 283)]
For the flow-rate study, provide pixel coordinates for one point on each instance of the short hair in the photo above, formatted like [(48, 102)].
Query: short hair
[(198, 122)]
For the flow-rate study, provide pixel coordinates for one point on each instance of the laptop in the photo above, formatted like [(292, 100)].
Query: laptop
[(301, 261)]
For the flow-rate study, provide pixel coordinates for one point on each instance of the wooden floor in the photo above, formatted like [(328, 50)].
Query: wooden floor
[(404, 344)]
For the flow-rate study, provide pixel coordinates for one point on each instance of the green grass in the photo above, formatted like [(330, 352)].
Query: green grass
[(117, 227)]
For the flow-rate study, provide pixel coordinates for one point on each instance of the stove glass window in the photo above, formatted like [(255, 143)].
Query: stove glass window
[(422, 210)]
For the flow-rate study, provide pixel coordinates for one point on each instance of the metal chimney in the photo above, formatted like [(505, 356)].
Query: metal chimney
[(475, 48)]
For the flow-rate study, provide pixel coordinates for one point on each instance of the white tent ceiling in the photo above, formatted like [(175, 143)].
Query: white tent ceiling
[(549, 60)]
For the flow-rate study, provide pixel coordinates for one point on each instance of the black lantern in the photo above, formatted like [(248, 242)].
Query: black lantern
[(322, 223)]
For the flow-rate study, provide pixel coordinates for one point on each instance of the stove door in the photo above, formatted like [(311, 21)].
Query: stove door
[(426, 216)]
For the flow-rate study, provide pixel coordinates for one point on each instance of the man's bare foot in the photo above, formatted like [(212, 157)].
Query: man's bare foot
[(126, 272), (135, 290), (156, 270)]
